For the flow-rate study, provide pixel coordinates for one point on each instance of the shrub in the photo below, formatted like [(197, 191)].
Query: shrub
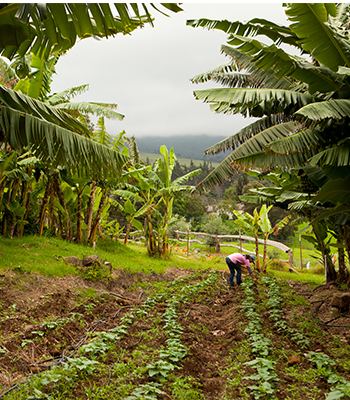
[(214, 226)]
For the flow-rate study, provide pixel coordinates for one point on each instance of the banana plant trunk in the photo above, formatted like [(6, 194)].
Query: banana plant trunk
[(128, 227), (8, 219), (165, 244), (152, 247), (43, 206), (79, 230), (26, 190), (90, 208), (343, 272), (257, 260), (265, 255), (331, 273), (97, 219), (61, 199)]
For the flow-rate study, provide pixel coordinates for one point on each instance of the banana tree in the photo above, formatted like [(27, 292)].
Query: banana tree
[(266, 228), (146, 183), (302, 103), (293, 192), (130, 211), (15, 188), (168, 189)]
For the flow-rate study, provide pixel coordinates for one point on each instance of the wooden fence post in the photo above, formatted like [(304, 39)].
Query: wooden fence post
[(301, 253), (217, 244), (290, 261), (188, 241)]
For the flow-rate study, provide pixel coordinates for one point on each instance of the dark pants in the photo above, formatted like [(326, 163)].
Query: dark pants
[(233, 268)]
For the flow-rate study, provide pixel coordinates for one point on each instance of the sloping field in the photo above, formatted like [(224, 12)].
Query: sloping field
[(178, 335)]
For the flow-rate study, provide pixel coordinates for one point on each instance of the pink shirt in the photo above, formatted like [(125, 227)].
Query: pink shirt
[(240, 258)]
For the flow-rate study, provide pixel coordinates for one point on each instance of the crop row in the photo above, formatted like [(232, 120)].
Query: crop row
[(61, 381)]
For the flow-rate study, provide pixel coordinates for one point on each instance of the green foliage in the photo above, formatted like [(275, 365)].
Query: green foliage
[(214, 226)]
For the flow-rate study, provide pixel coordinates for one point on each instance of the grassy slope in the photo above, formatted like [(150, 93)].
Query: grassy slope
[(45, 256)]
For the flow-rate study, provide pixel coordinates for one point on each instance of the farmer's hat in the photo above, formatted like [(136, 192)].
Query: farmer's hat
[(252, 257)]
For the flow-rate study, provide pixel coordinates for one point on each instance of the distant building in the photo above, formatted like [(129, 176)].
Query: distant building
[(211, 209)]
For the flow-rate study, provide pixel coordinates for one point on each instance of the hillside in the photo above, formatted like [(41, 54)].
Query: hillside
[(151, 157), (179, 334), (185, 146)]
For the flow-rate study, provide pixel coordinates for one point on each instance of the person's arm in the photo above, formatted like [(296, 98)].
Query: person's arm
[(250, 271)]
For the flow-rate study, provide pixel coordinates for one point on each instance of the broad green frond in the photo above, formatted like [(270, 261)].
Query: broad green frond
[(312, 24), (42, 28), (99, 109), (343, 12), (340, 209), (217, 177), (56, 145), (334, 156), (38, 109), (331, 109), (225, 75), (248, 132), (258, 78), (275, 32), (336, 191), (264, 138), (283, 64), (298, 142), (66, 95), (187, 177), (253, 102), (268, 160), (100, 134)]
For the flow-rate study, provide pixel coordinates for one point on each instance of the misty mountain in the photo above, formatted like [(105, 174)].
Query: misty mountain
[(185, 146)]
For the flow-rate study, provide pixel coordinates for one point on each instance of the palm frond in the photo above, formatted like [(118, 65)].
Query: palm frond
[(248, 132), (183, 179), (340, 209), (56, 145), (303, 140), (134, 151), (253, 102), (27, 105), (66, 95), (265, 57), (312, 24), (42, 28), (100, 135), (343, 12), (230, 79), (338, 155), (332, 109), (98, 109), (259, 77), (217, 177), (277, 33), (268, 160), (263, 139), (263, 160), (336, 191)]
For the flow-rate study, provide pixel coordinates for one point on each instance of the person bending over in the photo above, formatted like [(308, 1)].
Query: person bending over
[(235, 261)]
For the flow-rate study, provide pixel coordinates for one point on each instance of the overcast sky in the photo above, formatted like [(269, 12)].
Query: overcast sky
[(147, 73)]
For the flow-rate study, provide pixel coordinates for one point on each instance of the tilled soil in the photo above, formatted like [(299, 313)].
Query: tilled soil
[(213, 330)]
